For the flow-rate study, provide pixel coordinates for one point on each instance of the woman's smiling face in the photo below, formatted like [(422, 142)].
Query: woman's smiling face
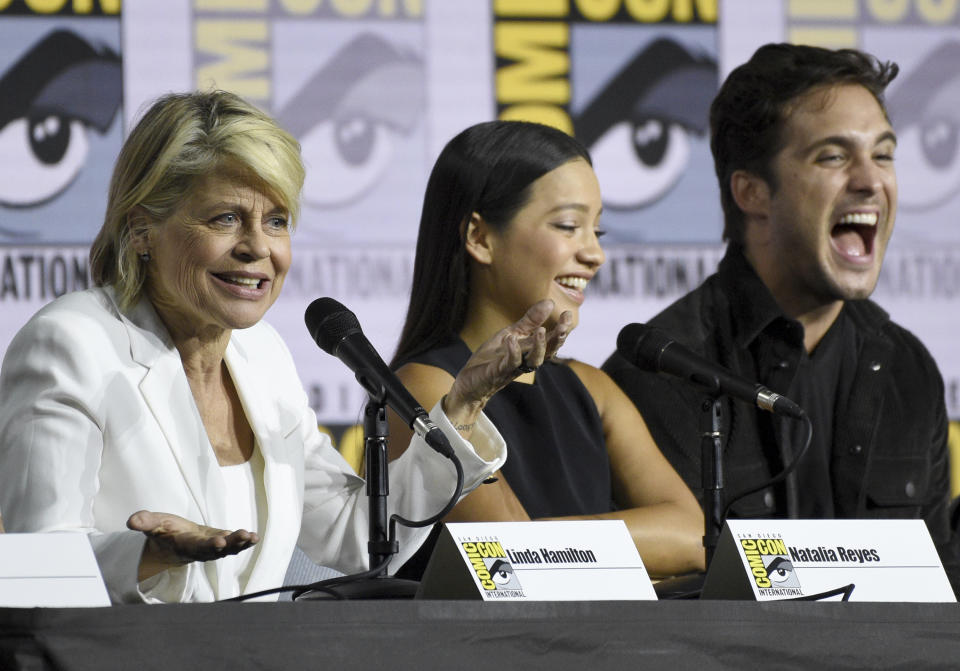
[(221, 259), (550, 249)]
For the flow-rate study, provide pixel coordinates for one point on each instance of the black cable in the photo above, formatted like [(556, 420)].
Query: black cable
[(319, 586), (443, 513), (846, 591), (779, 477), (330, 584)]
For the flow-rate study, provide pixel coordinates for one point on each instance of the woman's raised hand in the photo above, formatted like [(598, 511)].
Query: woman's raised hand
[(517, 349)]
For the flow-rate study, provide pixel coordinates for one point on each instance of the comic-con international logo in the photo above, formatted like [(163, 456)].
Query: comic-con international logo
[(494, 571), (771, 567)]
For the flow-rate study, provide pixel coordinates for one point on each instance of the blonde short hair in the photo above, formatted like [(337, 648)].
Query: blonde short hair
[(182, 137)]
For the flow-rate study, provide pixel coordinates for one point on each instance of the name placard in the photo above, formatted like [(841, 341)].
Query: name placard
[(836, 560), (536, 561), (50, 569)]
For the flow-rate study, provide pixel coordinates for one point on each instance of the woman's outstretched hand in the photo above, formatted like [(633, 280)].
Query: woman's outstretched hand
[(175, 541), (518, 349)]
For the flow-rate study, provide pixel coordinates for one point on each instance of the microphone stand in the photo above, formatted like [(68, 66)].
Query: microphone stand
[(375, 431), (711, 472), (379, 547)]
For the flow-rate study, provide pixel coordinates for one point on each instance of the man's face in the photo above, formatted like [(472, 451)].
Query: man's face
[(832, 212)]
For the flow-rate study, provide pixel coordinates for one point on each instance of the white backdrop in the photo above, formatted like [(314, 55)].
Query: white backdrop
[(632, 78)]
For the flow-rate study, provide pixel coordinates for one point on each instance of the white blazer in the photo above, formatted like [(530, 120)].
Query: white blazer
[(97, 421)]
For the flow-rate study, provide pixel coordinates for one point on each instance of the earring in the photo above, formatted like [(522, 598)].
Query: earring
[(145, 257)]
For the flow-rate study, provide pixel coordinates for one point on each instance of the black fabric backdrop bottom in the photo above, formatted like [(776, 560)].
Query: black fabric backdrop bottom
[(471, 635)]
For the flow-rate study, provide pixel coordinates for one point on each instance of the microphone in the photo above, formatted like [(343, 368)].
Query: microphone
[(337, 331), (653, 350)]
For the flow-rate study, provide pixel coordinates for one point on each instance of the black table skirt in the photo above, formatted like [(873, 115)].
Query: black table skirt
[(470, 635)]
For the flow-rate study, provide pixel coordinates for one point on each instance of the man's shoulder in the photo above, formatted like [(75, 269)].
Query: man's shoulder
[(872, 319), (908, 355), (689, 320)]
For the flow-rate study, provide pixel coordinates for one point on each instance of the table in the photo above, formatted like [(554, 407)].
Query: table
[(590, 636)]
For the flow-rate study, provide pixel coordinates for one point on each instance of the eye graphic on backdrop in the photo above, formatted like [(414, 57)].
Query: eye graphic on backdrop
[(46, 111), (350, 116), (637, 128), (42, 155), (638, 161), (925, 109), (346, 156)]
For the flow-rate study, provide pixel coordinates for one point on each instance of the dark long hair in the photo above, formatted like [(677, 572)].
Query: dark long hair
[(487, 169)]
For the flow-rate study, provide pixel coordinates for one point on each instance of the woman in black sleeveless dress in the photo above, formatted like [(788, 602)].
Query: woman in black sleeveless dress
[(511, 218)]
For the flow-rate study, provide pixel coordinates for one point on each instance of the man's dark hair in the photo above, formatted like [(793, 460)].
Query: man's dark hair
[(748, 114)]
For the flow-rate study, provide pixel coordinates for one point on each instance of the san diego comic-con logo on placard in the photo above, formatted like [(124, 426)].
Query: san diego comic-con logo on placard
[(493, 569), (771, 566)]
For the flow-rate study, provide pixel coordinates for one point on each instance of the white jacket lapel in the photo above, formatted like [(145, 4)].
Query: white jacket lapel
[(167, 393), (275, 426)]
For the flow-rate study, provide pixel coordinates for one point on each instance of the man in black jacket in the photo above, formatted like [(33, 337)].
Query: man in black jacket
[(803, 151)]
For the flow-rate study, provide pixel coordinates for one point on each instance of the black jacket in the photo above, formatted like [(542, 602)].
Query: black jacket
[(889, 457)]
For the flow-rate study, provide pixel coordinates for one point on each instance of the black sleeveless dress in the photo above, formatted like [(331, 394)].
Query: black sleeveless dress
[(557, 459)]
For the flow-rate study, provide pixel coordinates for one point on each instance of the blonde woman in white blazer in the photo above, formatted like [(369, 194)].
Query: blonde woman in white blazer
[(157, 412)]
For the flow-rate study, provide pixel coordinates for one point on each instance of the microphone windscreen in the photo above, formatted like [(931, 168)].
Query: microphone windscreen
[(627, 341), (641, 345), (329, 322)]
